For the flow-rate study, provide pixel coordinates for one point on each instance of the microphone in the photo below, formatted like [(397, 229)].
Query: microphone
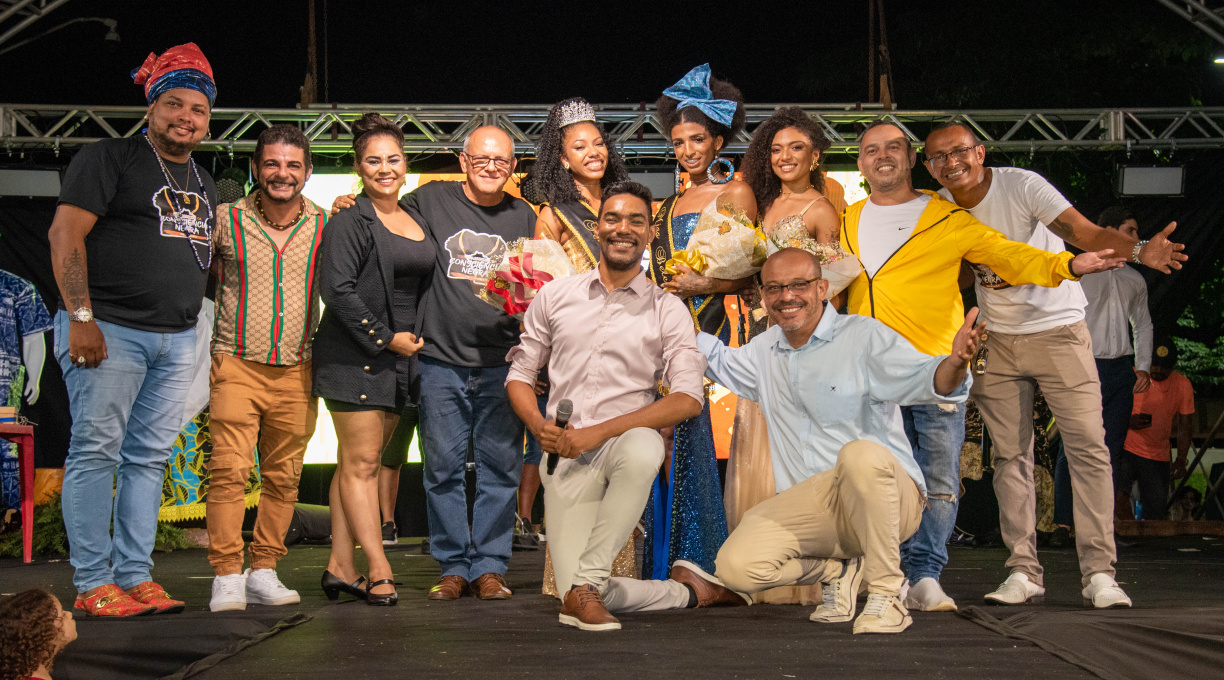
[(565, 409)]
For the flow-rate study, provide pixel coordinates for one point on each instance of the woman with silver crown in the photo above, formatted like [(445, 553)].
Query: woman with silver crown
[(701, 115), (574, 162)]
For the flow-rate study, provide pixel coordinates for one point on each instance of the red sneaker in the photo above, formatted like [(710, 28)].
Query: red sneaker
[(109, 600), (150, 593)]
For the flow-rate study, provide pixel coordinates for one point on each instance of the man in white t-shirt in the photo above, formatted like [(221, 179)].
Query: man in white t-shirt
[(1038, 335)]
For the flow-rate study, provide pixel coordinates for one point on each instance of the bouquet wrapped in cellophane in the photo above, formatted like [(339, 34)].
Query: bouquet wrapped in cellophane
[(836, 265), (525, 267), (724, 245)]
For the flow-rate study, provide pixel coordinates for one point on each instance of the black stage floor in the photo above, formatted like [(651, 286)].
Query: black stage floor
[(1176, 582)]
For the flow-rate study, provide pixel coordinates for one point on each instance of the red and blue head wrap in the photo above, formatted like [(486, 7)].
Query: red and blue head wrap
[(183, 66)]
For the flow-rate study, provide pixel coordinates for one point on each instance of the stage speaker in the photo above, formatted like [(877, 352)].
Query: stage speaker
[(29, 183), (1137, 180)]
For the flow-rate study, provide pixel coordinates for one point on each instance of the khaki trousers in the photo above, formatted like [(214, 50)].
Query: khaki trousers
[(255, 403), (1060, 361), (591, 505), (864, 507)]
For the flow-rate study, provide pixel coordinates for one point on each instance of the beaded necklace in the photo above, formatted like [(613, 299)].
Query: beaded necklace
[(290, 223), (187, 225)]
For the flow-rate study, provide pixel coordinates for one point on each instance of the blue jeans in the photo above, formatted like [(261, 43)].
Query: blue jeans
[(126, 414), (462, 406), (936, 436)]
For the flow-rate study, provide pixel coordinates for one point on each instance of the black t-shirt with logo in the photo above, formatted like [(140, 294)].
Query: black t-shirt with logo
[(145, 250), (470, 239)]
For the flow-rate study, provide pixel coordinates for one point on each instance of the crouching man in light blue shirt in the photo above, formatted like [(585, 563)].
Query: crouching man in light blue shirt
[(830, 387)]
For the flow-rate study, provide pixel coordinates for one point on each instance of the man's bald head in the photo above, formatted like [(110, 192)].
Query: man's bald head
[(790, 260), (489, 140)]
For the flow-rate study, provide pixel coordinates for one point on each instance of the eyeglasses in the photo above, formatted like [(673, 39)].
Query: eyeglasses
[(481, 162), (798, 287), (959, 153)]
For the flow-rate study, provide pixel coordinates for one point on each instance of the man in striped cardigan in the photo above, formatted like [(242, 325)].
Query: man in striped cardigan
[(267, 311)]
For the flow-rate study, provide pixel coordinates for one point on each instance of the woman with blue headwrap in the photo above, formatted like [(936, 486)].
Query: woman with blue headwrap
[(685, 518)]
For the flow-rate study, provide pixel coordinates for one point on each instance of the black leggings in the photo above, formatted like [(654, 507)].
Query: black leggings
[(1153, 478)]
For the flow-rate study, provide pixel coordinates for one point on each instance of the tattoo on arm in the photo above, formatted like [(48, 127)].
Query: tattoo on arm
[(76, 281), (1062, 229)]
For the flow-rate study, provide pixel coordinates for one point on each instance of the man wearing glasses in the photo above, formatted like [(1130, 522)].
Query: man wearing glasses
[(850, 489), (1038, 336), (911, 244), (463, 369)]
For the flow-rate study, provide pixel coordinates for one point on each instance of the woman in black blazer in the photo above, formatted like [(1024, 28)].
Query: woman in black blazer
[(373, 263)]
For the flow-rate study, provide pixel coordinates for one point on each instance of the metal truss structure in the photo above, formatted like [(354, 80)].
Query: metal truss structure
[(17, 15), (634, 128), (1206, 15)]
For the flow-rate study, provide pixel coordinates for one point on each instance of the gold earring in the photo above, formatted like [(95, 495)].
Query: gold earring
[(566, 165)]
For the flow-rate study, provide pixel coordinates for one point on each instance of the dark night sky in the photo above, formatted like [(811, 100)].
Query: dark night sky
[(987, 53)]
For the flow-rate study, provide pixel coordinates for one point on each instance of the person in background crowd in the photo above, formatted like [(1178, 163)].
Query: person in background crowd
[(575, 162), (911, 245), (33, 629), (1145, 455), (1121, 331), (267, 312), (394, 455), (374, 262), (131, 246), (702, 115), (1038, 335)]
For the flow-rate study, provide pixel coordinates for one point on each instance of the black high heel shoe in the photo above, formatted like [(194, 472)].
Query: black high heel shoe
[(333, 586), (376, 600)]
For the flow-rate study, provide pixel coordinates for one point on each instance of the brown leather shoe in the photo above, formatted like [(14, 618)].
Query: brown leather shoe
[(491, 587), (583, 608), (448, 588), (710, 592)]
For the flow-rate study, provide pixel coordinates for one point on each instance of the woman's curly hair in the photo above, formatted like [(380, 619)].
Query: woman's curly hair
[(758, 168), (29, 630), (550, 182), (670, 117)]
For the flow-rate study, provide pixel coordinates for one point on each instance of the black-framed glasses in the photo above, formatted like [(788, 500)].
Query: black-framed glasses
[(482, 162), (960, 153), (797, 287)]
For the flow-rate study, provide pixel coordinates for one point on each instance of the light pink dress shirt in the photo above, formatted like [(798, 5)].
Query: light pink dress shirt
[(607, 350)]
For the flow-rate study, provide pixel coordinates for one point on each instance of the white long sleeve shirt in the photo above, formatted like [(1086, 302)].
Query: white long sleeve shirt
[(1117, 315)]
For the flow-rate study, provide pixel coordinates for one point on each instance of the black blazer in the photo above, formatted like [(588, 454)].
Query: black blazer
[(351, 359)]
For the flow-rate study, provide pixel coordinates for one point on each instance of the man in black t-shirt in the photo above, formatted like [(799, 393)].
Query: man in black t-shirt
[(131, 245), (464, 367)]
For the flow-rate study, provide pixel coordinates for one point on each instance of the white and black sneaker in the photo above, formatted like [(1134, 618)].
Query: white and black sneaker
[(390, 533)]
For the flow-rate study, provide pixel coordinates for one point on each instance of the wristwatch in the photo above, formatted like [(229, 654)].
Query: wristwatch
[(82, 315)]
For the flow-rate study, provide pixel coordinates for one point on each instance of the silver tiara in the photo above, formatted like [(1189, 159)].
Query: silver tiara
[(576, 111)]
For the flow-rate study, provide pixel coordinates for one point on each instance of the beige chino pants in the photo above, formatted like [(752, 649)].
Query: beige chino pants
[(1060, 361), (255, 403), (864, 507)]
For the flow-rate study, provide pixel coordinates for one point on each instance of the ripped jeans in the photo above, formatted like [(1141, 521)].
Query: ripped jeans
[(936, 433)]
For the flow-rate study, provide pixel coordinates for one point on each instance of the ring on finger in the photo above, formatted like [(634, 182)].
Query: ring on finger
[(80, 361)]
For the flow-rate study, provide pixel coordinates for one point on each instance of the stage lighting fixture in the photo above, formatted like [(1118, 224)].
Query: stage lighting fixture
[(1139, 180), (29, 183)]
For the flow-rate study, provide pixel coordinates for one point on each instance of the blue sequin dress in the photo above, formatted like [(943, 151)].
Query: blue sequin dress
[(685, 519)]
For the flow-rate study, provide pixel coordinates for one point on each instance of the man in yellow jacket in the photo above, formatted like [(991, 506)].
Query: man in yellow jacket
[(911, 244)]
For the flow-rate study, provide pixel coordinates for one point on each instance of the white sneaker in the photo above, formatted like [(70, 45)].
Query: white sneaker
[(839, 597), (928, 596), (263, 587), (1017, 589), (228, 593), (1104, 592), (882, 614)]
